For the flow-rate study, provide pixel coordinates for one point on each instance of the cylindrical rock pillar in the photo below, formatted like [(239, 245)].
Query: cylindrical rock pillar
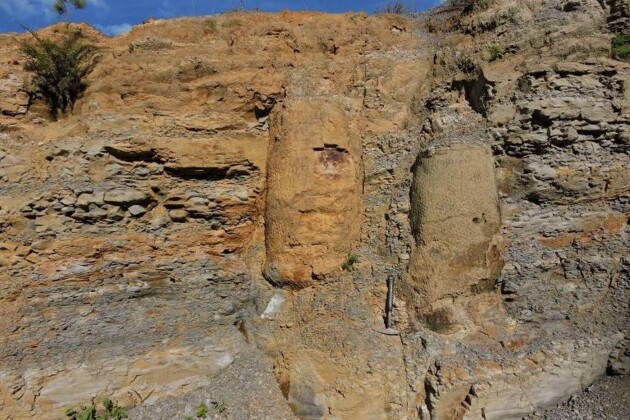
[(313, 213)]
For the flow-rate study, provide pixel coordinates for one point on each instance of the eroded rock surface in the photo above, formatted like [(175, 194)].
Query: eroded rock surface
[(455, 217), (313, 215), (225, 202)]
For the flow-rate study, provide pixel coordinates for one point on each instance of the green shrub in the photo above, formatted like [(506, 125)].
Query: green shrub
[(621, 46), (496, 52), (202, 411), (61, 6), (396, 7), (350, 262), (60, 68), (111, 411)]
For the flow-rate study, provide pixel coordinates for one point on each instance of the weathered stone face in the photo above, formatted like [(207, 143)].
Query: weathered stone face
[(313, 193), (133, 237), (186, 225), (455, 217)]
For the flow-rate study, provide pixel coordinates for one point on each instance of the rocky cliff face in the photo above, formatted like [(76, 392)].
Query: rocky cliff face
[(182, 233)]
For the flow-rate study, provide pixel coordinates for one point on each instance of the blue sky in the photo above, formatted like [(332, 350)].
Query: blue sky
[(117, 16)]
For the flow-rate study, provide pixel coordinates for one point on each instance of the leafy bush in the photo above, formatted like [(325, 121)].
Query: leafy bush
[(60, 68), (496, 52), (61, 6), (621, 46), (111, 411), (396, 7), (350, 262), (202, 411)]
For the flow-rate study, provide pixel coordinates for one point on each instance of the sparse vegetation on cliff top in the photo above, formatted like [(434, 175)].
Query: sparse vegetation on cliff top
[(60, 68), (397, 7)]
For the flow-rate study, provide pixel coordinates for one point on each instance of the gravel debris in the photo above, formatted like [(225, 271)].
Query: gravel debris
[(608, 398)]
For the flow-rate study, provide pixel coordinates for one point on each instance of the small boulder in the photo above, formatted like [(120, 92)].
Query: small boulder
[(126, 197), (85, 199), (68, 201), (178, 215), (137, 211)]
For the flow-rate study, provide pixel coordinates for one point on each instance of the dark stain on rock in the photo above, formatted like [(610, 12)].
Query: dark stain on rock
[(330, 157)]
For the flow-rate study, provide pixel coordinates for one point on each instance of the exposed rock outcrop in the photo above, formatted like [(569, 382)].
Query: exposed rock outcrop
[(455, 217), (313, 216), (233, 191)]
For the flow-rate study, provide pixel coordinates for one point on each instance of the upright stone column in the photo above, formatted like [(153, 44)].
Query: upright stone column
[(454, 216), (313, 214)]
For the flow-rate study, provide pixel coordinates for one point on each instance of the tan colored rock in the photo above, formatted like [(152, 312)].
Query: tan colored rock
[(125, 197), (261, 144), (312, 377), (314, 193), (178, 116), (13, 98), (501, 115), (454, 215)]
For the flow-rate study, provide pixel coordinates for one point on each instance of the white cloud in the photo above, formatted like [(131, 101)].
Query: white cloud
[(114, 30), (20, 9), (100, 4)]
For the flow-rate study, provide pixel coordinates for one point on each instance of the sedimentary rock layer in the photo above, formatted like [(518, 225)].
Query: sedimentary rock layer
[(238, 188)]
